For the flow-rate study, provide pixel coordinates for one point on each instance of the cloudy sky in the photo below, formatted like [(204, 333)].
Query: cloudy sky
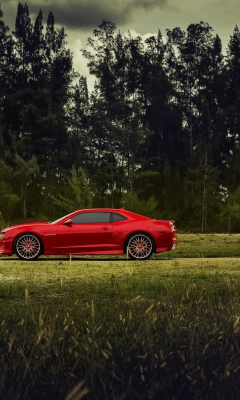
[(81, 17)]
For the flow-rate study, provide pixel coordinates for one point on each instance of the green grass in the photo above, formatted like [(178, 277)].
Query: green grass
[(167, 328), (207, 245)]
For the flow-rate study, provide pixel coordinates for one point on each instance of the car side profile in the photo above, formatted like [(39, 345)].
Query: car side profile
[(90, 232)]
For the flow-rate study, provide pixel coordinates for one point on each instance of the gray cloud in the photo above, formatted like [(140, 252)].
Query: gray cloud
[(87, 14), (80, 17)]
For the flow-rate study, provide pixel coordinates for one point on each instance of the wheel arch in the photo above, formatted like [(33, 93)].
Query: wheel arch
[(28, 233), (139, 232)]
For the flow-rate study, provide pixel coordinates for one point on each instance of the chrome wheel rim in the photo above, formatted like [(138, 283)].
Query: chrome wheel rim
[(28, 247), (140, 247)]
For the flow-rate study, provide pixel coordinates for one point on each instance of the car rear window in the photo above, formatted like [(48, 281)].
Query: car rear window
[(117, 217)]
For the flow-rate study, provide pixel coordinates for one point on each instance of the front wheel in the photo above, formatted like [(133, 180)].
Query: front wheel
[(140, 246), (28, 246)]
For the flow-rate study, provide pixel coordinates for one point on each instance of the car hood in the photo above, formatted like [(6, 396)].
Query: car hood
[(28, 224)]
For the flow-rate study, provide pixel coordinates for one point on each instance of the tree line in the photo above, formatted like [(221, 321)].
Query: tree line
[(158, 134)]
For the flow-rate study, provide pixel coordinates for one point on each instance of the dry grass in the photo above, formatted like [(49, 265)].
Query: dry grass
[(98, 329)]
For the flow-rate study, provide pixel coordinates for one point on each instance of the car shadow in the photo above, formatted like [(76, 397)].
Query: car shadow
[(73, 258), (77, 258)]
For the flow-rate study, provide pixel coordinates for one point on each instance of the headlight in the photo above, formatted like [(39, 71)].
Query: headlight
[(2, 234)]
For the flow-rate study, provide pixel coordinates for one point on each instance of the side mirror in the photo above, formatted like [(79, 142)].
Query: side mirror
[(68, 222)]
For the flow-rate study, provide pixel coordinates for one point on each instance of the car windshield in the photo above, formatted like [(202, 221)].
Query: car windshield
[(59, 219)]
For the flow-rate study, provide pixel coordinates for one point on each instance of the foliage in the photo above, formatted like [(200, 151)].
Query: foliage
[(2, 222), (160, 130), (78, 193), (148, 208)]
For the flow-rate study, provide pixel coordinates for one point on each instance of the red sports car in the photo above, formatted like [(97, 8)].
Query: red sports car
[(93, 231)]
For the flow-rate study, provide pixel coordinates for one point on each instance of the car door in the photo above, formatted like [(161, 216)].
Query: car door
[(88, 232)]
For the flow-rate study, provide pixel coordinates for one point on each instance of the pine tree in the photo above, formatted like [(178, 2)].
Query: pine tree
[(197, 64), (24, 172), (232, 109), (78, 193)]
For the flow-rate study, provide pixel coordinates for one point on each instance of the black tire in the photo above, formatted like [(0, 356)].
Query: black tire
[(28, 246), (140, 246)]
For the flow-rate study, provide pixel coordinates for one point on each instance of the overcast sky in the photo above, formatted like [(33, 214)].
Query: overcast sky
[(80, 17)]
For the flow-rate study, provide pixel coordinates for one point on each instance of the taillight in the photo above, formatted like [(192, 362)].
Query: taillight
[(172, 225)]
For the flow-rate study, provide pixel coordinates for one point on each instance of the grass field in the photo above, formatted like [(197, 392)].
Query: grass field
[(101, 328)]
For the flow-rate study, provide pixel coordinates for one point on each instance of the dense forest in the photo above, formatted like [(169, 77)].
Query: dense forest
[(159, 134)]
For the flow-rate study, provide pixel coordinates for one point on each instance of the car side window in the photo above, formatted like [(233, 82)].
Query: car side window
[(91, 218), (115, 217)]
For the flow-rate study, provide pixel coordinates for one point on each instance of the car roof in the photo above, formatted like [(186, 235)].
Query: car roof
[(117, 210)]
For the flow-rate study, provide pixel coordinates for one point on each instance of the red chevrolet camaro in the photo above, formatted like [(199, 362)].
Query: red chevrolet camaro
[(93, 231)]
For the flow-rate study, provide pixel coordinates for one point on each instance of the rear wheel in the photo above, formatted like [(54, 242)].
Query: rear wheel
[(28, 246), (140, 246)]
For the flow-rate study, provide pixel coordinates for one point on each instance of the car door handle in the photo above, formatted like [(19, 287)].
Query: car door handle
[(105, 228)]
